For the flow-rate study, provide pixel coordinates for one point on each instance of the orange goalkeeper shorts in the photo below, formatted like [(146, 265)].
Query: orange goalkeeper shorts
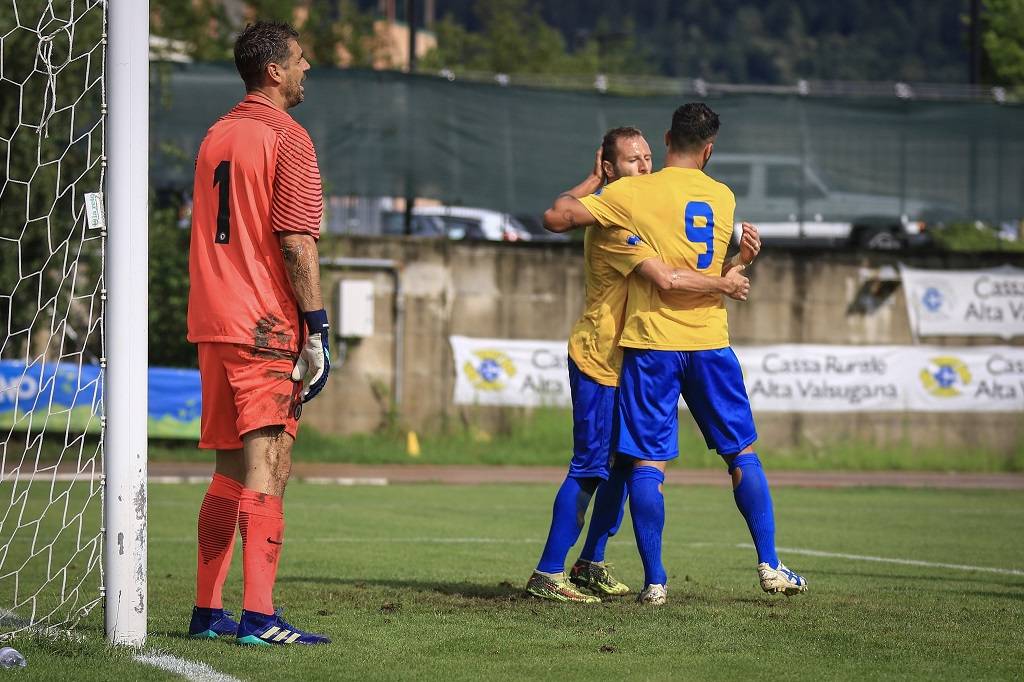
[(244, 389)]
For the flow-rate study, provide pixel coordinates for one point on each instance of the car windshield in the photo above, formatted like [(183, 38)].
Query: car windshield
[(463, 228), (735, 175)]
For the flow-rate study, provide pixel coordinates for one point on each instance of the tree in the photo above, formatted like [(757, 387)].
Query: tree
[(50, 107), (168, 288), (1003, 38), (514, 38), (774, 41), (338, 33), (203, 25)]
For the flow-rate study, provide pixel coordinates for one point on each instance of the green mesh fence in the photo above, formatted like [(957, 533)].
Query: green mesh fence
[(512, 149)]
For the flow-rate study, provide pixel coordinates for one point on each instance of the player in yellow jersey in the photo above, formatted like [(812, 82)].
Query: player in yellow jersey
[(677, 342), (594, 363)]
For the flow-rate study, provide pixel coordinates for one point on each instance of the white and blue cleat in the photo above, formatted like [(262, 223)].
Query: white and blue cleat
[(262, 630), (780, 580)]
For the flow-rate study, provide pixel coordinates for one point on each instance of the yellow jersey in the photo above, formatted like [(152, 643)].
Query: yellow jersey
[(687, 218), (609, 256)]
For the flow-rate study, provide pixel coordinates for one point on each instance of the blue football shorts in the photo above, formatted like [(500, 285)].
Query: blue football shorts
[(594, 425), (710, 382)]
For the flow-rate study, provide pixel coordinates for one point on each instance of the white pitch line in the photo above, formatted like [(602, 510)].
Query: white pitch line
[(890, 560), (190, 670)]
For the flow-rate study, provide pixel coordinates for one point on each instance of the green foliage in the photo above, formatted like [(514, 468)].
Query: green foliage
[(974, 237), (50, 146), (340, 23), (544, 438), (514, 38), (168, 290), (768, 41), (1003, 38), (208, 31), (202, 24), (273, 10)]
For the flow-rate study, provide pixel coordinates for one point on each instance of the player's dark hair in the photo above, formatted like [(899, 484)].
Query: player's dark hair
[(693, 125), (610, 143), (259, 44)]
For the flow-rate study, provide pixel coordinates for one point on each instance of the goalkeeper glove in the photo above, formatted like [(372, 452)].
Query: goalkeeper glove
[(314, 362)]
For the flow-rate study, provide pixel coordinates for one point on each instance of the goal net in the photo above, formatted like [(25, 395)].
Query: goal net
[(52, 351)]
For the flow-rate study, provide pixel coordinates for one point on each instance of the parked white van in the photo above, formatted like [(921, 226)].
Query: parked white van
[(789, 201), (463, 222)]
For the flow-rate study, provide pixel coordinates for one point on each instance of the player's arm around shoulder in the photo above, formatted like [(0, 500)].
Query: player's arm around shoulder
[(667, 278), (567, 212)]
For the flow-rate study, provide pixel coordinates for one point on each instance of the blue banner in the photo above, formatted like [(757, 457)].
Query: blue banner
[(67, 397)]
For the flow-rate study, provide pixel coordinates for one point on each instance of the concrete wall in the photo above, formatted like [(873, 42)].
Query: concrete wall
[(536, 291)]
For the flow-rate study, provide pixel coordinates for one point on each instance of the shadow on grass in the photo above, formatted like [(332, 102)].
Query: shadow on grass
[(987, 579), (504, 591)]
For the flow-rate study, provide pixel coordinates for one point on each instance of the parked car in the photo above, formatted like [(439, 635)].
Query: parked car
[(393, 223), (462, 222), (534, 224), (789, 201)]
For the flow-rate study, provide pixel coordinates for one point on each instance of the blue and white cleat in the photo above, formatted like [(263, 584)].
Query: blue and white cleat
[(211, 623), (262, 630), (781, 579)]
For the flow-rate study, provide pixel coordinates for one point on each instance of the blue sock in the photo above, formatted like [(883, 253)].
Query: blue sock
[(647, 506), (754, 501), (567, 516), (609, 508)]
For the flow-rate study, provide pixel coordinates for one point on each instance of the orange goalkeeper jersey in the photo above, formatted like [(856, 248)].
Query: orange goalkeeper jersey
[(256, 176)]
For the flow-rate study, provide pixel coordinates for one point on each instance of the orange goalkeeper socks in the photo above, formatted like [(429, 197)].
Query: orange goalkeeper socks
[(218, 517), (261, 523)]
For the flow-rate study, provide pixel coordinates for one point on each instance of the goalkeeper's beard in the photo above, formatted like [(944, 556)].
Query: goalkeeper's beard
[(295, 94)]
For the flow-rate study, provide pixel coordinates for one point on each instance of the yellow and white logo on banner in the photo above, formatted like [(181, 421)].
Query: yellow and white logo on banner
[(945, 376), (519, 372), (489, 369)]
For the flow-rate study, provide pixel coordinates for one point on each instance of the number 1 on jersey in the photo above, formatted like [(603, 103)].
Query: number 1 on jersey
[(698, 235), (222, 177)]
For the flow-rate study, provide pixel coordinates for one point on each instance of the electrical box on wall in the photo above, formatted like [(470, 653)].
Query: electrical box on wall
[(355, 308)]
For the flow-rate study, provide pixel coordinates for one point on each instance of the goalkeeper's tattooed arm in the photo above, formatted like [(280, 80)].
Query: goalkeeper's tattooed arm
[(302, 262)]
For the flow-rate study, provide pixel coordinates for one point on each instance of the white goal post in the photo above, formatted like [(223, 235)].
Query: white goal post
[(74, 139), (125, 390)]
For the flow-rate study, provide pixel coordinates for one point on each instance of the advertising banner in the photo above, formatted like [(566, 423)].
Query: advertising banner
[(780, 378), (811, 378), (965, 302), (68, 397), (504, 372)]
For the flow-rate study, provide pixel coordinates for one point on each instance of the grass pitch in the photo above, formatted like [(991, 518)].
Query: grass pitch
[(426, 582), (541, 437)]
